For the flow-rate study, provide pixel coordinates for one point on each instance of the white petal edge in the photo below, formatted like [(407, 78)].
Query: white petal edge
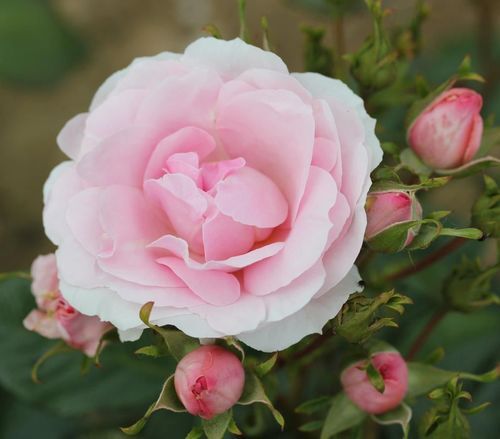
[(323, 87), (309, 320)]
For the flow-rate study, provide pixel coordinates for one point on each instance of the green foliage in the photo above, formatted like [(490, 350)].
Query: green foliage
[(36, 47), (469, 286), (317, 57), (343, 415), (361, 316), (486, 210)]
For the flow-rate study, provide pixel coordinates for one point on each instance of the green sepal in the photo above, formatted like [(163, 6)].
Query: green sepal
[(59, 348), (486, 210), (167, 400), (216, 427), (343, 415), (254, 392), (265, 367), (400, 415), (178, 343), (195, 433)]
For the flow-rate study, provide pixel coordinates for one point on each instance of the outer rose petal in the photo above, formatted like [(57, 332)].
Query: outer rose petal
[(231, 58), (321, 86), (309, 320)]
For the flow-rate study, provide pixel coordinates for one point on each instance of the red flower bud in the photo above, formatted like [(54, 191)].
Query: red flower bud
[(358, 387), (448, 132), (209, 381), (384, 209)]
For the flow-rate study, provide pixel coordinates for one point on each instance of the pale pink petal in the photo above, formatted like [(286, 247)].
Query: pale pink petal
[(186, 140), (82, 217), (251, 198), (325, 153), (214, 172), (183, 203), (214, 287), (186, 163), (115, 114), (179, 247), (71, 136), (223, 238), (45, 325), (273, 130), (44, 274), (306, 241), (121, 158), (169, 106), (231, 58), (131, 223), (61, 185)]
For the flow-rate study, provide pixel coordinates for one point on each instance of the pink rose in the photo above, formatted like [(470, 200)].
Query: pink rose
[(448, 132), (385, 209), (218, 185), (55, 318), (209, 381), (392, 367)]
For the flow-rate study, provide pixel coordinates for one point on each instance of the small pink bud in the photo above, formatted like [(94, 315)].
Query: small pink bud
[(209, 381), (360, 390), (55, 318), (384, 209), (448, 132)]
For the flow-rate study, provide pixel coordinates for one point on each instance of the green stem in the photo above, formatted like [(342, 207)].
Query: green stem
[(430, 259)]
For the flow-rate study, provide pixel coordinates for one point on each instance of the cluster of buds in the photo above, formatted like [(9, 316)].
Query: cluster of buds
[(54, 317)]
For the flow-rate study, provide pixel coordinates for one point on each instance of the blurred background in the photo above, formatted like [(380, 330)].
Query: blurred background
[(55, 53)]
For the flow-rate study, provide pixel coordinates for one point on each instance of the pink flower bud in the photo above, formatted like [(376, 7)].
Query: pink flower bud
[(209, 381), (360, 390), (384, 209), (448, 132), (55, 318)]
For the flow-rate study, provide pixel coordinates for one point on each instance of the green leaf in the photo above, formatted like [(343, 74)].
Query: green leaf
[(178, 343), (467, 233), (342, 416), (265, 367), (123, 382), (472, 167), (216, 427), (400, 415), (311, 426), (153, 351), (254, 392), (422, 378), (314, 405)]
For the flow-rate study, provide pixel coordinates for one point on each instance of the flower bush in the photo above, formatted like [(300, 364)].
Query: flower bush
[(240, 243)]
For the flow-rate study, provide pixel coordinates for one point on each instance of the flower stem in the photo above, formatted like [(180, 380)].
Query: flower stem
[(444, 251), (426, 333)]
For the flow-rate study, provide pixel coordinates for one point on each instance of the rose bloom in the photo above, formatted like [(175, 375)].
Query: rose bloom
[(447, 134), (392, 367), (218, 185), (209, 381), (55, 318)]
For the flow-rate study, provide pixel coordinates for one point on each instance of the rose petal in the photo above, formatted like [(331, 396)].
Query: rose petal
[(214, 287)]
